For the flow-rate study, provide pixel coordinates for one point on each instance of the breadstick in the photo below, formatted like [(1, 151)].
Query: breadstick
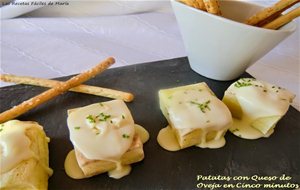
[(199, 4), (212, 6), (58, 89), (284, 19), (280, 6), (98, 91)]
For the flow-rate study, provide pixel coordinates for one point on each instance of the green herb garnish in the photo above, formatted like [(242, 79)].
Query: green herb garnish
[(243, 83), (77, 128), (90, 119), (123, 117), (125, 136), (202, 106), (101, 104), (103, 117)]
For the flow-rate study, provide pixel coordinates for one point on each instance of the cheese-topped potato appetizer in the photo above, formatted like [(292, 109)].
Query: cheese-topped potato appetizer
[(256, 107), (105, 139), (196, 117), (24, 157)]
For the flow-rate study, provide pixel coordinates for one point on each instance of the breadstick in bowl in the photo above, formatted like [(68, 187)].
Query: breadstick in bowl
[(57, 90), (198, 4), (284, 19), (266, 13), (87, 89), (212, 6)]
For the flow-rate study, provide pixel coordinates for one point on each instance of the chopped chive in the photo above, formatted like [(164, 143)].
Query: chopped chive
[(202, 106), (243, 83), (123, 117), (125, 136), (76, 128), (91, 119), (101, 104), (103, 117)]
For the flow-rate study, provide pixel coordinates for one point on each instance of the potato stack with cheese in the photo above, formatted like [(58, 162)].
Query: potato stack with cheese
[(196, 117), (105, 139), (256, 107), (24, 156)]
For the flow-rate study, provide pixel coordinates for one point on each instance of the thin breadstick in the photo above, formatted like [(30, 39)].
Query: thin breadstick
[(198, 4), (284, 19), (98, 91), (58, 89), (212, 6), (273, 16), (279, 7)]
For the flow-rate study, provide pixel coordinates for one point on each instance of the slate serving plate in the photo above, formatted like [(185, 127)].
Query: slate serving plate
[(161, 169)]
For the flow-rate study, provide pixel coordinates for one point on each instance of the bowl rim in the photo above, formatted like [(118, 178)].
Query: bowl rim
[(292, 24)]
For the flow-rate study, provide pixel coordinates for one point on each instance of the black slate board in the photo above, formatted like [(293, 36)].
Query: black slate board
[(274, 156)]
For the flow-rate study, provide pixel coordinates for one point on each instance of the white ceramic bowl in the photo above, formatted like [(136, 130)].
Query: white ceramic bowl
[(223, 48)]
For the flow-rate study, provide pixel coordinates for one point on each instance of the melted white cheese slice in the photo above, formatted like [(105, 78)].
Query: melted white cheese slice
[(186, 111), (14, 144), (102, 131), (257, 99), (192, 107)]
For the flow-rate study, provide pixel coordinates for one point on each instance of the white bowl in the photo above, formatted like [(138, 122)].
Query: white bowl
[(223, 48)]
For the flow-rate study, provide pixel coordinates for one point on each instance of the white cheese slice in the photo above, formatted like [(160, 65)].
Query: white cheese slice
[(192, 107), (102, 131), (262, 105)]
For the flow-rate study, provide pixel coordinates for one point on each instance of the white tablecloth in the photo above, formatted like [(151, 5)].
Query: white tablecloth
[(51, 47)]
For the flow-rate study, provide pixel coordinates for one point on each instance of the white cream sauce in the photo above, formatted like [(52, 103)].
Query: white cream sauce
[(72, 168), (167, 139), (142, 133), (120, 171), (243, 129), (258, 100)]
